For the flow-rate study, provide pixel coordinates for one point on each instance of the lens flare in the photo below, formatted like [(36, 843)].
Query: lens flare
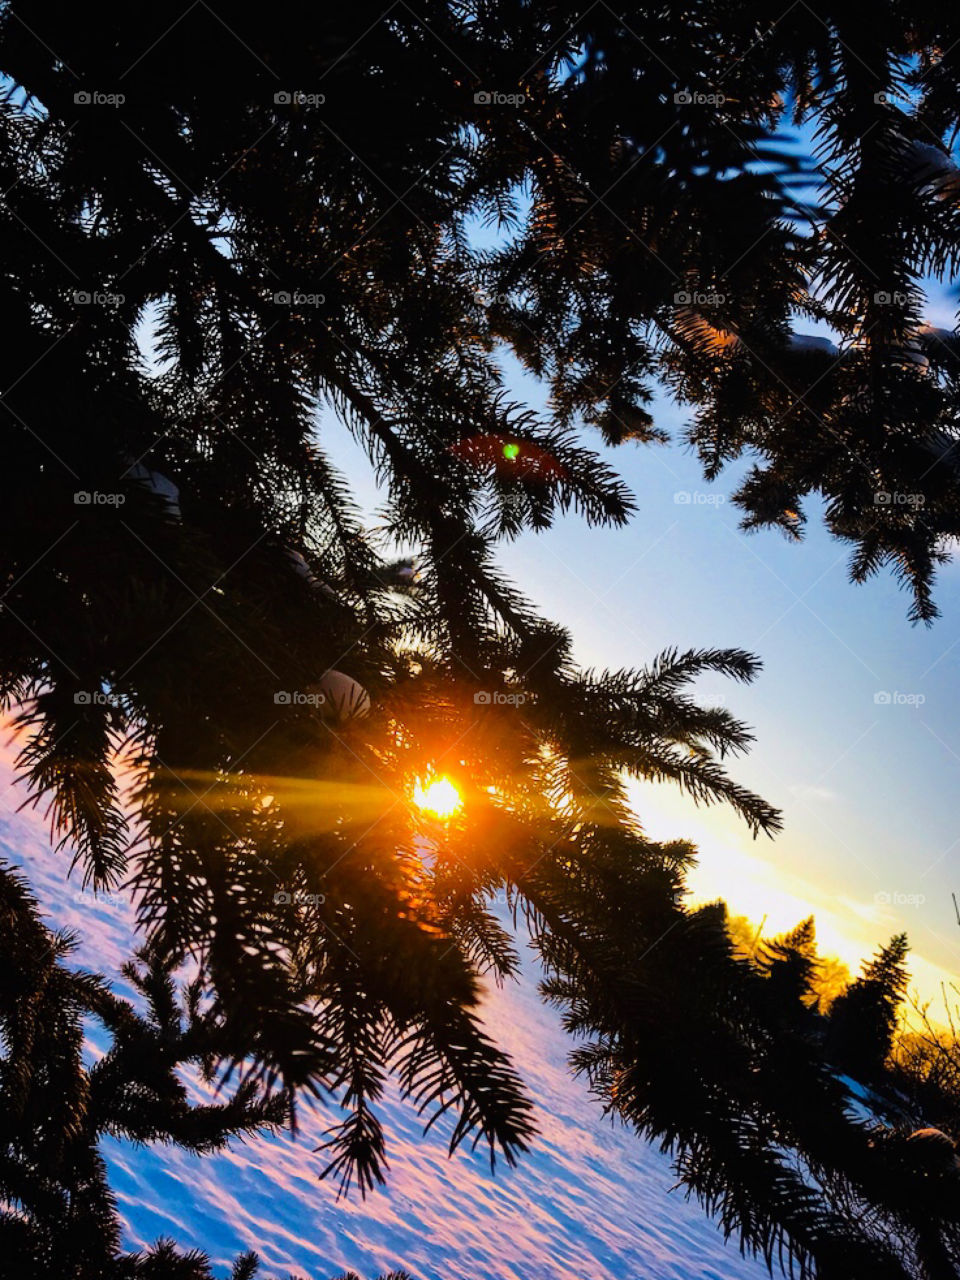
[(439, 798)]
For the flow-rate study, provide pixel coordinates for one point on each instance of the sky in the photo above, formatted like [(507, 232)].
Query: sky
[(855, 716), (867, 786), (855, 712)]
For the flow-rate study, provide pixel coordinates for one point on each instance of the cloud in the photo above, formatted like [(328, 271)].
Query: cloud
[(809, 794)]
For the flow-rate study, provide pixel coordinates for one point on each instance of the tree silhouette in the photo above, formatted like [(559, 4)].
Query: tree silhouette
[(198, 252), (754, 1113), (57, 1214), (863, 1019), (654, 228), (59, 1217), (791, 967)]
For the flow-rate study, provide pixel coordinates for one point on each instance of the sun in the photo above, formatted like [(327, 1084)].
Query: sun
[(439, 797)]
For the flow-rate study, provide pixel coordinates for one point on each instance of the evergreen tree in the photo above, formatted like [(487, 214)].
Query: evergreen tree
[(187, 581), (863, 1019), (758, 1122), (57, 1214), (790, 965), (192, 191)]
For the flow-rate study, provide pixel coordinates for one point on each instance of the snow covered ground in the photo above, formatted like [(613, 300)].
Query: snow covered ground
[(589, 1202)]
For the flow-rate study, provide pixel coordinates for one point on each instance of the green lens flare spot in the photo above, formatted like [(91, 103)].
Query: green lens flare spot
[(511, 451)]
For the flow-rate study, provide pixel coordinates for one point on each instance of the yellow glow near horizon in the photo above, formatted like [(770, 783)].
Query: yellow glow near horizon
[(439, 797), (765, 883)]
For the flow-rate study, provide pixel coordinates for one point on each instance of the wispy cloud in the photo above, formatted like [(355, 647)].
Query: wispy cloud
[(809, 793)]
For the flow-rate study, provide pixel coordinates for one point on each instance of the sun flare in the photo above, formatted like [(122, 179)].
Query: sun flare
[(439, 797)]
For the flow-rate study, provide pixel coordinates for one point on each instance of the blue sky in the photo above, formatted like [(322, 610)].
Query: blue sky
[(870, 839), (867, 789)]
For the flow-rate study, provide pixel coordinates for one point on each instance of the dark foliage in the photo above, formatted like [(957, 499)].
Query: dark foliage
[(280, 211), (57, 1214), (863, 1019)]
